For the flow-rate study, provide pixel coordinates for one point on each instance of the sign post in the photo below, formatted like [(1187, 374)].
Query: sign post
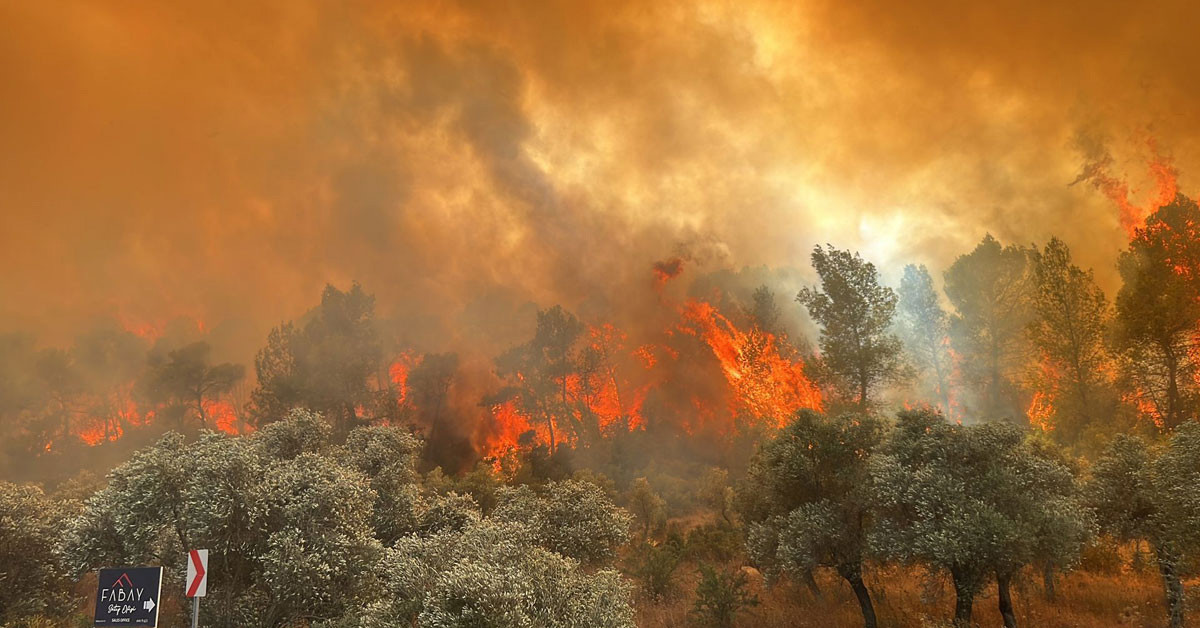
[(128, 596), (197, 581)]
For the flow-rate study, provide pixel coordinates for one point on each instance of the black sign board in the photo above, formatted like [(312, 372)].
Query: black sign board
[(128, 596)]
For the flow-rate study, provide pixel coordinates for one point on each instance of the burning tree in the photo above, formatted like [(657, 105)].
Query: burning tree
[(539, 372), (562, 386), (327, 364), (427, 387), (60, 398), (186, 379), (1068, 329), (1158, 314)]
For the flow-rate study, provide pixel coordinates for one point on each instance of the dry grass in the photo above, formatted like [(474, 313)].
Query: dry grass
[(911, 598)]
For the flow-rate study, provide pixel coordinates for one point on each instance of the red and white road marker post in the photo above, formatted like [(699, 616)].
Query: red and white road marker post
[(197, 581)]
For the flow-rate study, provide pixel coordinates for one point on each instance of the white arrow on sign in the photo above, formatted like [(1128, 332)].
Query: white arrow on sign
[(148, 605), (197, 573)]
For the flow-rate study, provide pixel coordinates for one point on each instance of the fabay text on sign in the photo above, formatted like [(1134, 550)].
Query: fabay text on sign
[(128, 596)]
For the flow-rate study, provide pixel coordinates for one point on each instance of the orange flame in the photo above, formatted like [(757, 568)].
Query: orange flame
[(223, 416), (115, 415), (765, 383), (507, 427), (666, 270), (1133, 215), (1041, 410), (1145, 407), (398, 374)]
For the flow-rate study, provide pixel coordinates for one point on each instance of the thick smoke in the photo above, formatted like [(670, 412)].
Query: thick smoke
[(468, 162)]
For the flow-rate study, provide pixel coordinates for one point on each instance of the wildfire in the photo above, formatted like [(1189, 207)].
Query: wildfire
[(645, 353), (398, 374), (223, 416), (666, 270), (766, 384), (1145, 407), (1041, 410), (508, 426), (152, 330), (597, 399), (111, 419), (1133, 215), (764, 381)]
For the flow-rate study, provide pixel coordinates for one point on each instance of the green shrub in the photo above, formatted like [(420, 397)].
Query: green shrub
[(720, 597), (656, 569), (1102, 556), (713, 542)]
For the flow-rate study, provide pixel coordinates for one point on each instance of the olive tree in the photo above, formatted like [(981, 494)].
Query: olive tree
[(289, 528), (31, 579), (299, 531), (1139, 494), (976, 501), (388, 456), (806, 499), (318, 546)]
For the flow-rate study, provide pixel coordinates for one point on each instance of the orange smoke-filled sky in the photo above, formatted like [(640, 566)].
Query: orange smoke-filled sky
[(227, 159)]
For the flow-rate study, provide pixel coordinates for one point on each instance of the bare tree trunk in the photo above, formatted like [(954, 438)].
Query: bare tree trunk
[(1048, 580), (964, 599), (200, 410), (1005, 594), (1169, 569), (811, 583), (853, 575), (1171, 417)]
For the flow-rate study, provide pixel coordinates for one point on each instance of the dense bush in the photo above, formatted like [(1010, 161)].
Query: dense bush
[(31, 579), (490, 574), (573, 518)]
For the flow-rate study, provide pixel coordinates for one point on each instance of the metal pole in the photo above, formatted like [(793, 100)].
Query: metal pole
[(196, 612)]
